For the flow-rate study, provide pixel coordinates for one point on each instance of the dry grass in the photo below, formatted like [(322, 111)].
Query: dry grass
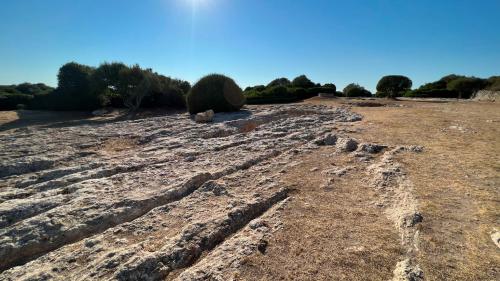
[(116, 145), (332, 233), (457, 180)]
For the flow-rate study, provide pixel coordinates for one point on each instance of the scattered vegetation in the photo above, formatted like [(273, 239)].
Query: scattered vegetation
[(82, 87), (217, 92)]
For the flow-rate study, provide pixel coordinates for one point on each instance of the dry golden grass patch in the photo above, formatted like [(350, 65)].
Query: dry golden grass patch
[(456, 180), (334, 233)]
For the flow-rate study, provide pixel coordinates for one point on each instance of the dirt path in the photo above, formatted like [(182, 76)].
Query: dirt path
[(456, 181)]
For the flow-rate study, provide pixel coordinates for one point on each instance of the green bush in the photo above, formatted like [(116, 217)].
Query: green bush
[(217, 92), (12, 101), (275, 94), (355, 90), (279, 82), (302, 82), (74, 87), (393, 85), (432, 93), (493, 83), (312, 92), (466, 86)]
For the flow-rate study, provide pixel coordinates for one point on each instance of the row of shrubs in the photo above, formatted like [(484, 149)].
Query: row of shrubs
[(82, 87), (282, 90), (450, 86)]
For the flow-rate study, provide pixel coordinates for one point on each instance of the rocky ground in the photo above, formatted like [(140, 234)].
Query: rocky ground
[(167, 198)]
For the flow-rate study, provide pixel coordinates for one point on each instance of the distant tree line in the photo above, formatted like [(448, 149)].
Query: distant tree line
[(449, 86), (82, 87), (282, 90)]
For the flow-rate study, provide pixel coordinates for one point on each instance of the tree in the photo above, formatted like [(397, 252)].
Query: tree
[(394, 85), (135, 84), (466, 86), (355, 90), (74, 87), (493, 83), (279, 82), (74, 78), (302, 82), (105, 80)]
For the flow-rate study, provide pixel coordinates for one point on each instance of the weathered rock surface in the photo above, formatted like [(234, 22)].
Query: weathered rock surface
[(141, 199)]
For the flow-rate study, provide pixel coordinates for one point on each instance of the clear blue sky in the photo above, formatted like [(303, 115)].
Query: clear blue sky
[(254, 41)]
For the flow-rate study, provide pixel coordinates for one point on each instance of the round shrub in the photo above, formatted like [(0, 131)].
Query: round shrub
[(393, 85), (355, 90), (217, 92)]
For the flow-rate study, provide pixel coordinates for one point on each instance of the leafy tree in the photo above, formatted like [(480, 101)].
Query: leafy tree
[(466, 86), (330, 86), (74, 87), (450, 77), (493, 83), (135, 83), (355, 90), (279, 82), (394, 85), (302, 82), (105, 80)]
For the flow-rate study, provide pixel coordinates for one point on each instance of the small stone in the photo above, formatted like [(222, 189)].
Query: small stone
[(204, 117), (346, 144)]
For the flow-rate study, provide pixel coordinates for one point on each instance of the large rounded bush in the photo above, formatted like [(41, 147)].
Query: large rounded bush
[(393, 85), (217, 92), (355, 90)]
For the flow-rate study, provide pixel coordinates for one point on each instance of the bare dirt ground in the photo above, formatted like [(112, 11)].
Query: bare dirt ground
[(308, 191)]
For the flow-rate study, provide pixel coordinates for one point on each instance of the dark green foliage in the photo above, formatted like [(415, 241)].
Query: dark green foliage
[(339, 94), (355, 90), (448, 78), (33, 89), (10, 101), (74, 87), (279, 82), (393, 85), (275, 94), (320, 90), (217, 92), (166, 92), (258, 88), (493, 83), (302, 82), (105, 81), (466, 86), (330, 85), (432, 93), (26, 89)]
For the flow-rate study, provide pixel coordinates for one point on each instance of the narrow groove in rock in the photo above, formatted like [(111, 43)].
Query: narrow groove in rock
[(160, 264), (10, 256)]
